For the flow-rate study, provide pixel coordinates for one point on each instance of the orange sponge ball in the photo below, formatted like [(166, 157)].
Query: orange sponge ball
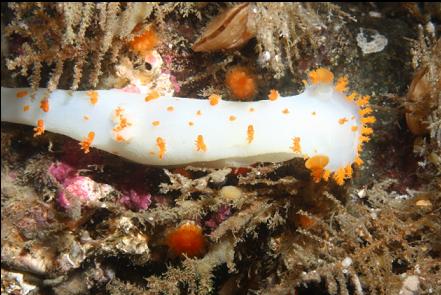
[(145, 42), (187, 239), (241, 83)]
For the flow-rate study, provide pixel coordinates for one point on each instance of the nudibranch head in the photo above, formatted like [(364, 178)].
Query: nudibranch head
[(322, 166)]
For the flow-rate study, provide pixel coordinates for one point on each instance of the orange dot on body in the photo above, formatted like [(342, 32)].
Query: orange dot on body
[(187, 239), (21, 94), (241, 83)]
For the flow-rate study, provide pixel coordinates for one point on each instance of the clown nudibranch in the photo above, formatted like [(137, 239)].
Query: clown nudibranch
[(324, 125)]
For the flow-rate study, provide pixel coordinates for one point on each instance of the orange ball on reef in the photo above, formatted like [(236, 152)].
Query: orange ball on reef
[(187, 239), (241, 82), (145, 42)]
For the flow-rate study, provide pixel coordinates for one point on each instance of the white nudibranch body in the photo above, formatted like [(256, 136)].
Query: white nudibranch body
[(323, 125)]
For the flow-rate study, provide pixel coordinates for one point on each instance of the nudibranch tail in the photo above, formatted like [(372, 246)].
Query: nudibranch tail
[(326, 125)]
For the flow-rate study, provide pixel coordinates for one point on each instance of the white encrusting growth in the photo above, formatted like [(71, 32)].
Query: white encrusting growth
[(164, 131)]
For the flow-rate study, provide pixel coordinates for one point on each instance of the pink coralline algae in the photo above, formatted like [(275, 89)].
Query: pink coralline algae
[(61, 171), (218, 217), (136, 201), (79, 189)]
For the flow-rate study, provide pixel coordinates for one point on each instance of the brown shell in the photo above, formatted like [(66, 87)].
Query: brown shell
[(231, 29), (417, 106)]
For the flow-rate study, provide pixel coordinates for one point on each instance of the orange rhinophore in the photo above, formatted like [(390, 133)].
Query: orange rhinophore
[(250, 133), (154, 94), (316, 165), (39, 130), (200, 144), (87, 142), (187, 239), (44, 105), (214, 99), (321, 75), (273, 95), (93, 97), (160, 143), (21, 94), (296, 145)]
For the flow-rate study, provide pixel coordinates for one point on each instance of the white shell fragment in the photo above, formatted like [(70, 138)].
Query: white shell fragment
[(374, 42)]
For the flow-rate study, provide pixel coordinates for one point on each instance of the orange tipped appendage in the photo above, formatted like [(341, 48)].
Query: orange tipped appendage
[(146, 42), (342, 84), (187, 239), (250, 133), (87, 142), (39, 130), (365, 111), (316, 165), (214, 99), (368, 120), (160, 143), (273, 95), (200, 144), (241, 83), (321, 75), (93, 97), (339, 176), (154, 94)]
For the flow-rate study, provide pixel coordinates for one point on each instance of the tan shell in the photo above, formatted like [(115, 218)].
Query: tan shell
[(417, 108), (231, 29)]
